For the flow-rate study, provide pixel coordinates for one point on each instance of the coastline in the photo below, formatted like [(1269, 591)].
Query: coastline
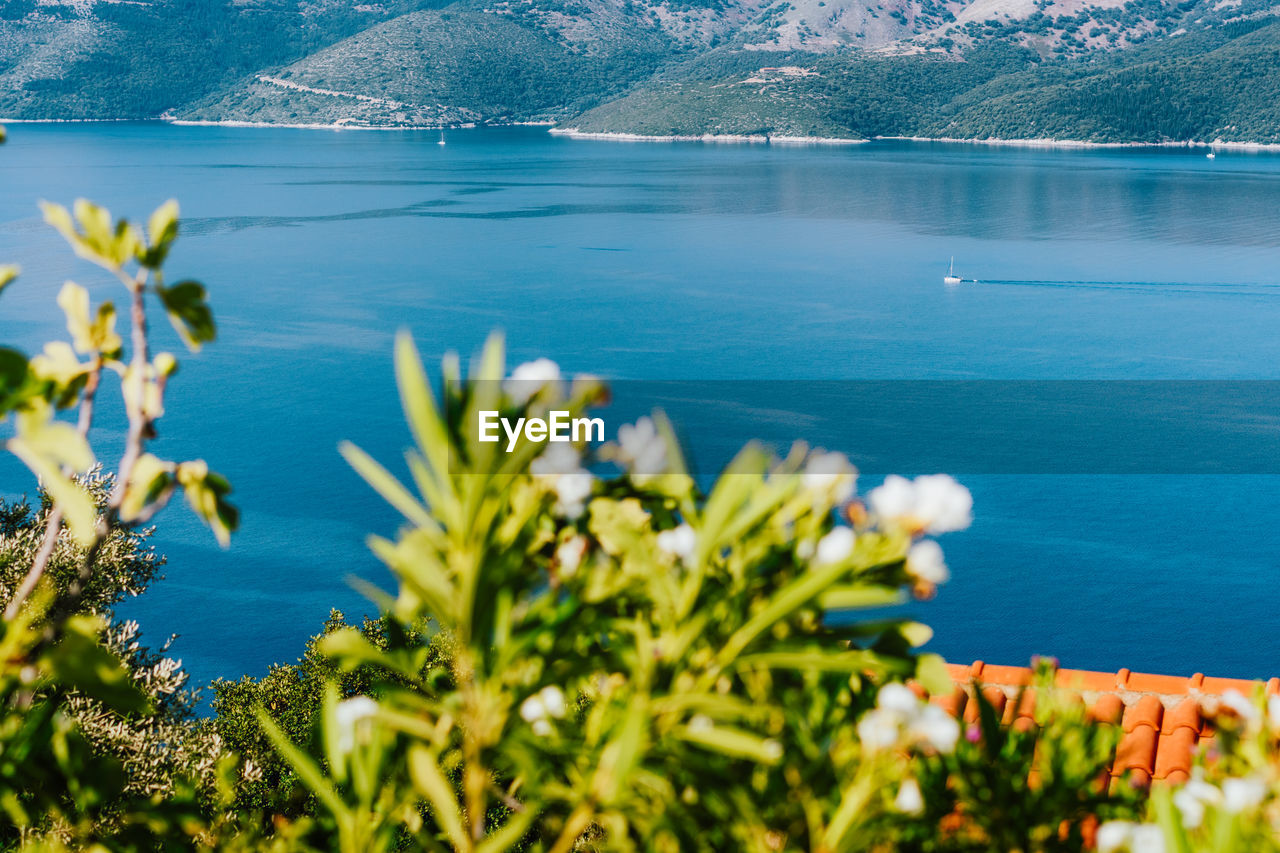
[(622, 136), (1080, 143), (347, 125), (751, 139)]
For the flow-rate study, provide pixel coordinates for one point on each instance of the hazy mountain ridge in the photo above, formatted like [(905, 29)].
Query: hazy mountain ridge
[(1107, 70)]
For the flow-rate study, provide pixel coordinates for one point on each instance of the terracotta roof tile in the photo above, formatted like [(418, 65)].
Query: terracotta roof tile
[(1184, 715), (1174, 752), (1108, 709), (953, 703), (1163, 717), (1141, 682), (1147, 711)]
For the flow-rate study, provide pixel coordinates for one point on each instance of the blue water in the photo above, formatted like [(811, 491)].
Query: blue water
[(688, 261)]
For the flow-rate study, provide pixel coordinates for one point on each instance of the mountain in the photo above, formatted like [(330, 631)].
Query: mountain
[(1103, 71)]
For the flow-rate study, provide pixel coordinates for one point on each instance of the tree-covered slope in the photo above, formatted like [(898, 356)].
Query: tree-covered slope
[(1221, 84), (1095, 70), (94, 59), (444, 67)]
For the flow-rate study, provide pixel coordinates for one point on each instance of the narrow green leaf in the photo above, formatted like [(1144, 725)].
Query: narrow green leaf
[(431, 782)]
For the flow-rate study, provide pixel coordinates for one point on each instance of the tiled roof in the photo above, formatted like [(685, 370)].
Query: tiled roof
[(1163, 716)]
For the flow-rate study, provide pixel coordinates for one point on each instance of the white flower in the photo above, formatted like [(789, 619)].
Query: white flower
[(1243, 707), (909, 799), (642, 447), (529, 378), (830, 474), (1147, 838), (925, 562), (572, 491), (1240, 795), (353, 716), (558, 458), (1114, 835), (934, 503), (1273, 711), (540, 707), (897, 697), (700, 723), (900, 717), (879, 729), (835, 546), (895, 498), (936, 728), (547, 702), (679, 541), (532, 709), (569, 556), (560, 465), (1192, 798), (553, 701)]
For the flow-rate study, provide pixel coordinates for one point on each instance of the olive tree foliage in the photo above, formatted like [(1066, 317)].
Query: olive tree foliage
[(75, 698), (154, 747), (633, 663), (292, 694)]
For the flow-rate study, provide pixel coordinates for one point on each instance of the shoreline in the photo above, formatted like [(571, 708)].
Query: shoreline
[(1080, 143), (730, 138), (751, 139)]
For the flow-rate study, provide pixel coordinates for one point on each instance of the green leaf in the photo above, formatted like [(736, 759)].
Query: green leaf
[(206, 493), (189, 313), (63, 373), (16, 381), (92, 234), (150, 484), (386, 485), (932, 673), (310, 774), (860, 597), (732, 742), (89, 333), (162, 230), (74, 302), (431, 782), (46, 446)]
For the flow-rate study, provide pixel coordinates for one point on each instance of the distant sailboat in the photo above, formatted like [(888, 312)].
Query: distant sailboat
[(1210, 155), (441, 142), (951, 277)]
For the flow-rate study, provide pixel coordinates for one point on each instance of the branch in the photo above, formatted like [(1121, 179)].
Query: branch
[(140, 427), (53, 526)]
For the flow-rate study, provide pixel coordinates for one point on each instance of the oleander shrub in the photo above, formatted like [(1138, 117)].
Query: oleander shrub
[(633, 662)]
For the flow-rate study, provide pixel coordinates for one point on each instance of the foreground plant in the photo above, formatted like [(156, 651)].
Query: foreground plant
[(33, 390), (632, 663), (62, 677)]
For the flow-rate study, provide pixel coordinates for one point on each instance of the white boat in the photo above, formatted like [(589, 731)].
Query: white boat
[(441, 142), (1210, 155), (951, 277)]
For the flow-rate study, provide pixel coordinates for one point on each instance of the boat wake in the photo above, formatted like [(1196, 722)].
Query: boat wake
[(1225, 288)]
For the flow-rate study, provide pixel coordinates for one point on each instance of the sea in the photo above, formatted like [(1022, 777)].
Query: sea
[(782, 267)]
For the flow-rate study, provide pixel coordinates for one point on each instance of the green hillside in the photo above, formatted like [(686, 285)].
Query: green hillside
[(1111, 71), (1202, 87), (442, 67), (136, 60)]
